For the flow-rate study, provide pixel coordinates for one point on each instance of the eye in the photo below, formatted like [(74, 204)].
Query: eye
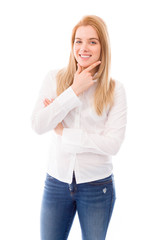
[(78, 41), (93, 42)]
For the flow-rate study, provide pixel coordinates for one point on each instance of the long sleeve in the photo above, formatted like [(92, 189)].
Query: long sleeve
[(47, 118), (106, 143)]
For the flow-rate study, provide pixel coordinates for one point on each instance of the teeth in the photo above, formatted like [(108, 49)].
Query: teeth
[(84, 56)]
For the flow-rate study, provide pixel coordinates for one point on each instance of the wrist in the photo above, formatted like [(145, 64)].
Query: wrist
[(75, 90), (62, 132)]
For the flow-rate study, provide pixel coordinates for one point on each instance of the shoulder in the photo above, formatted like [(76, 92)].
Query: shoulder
[(51, 75), (120, 92), (49, 83), (50, 78), (119, 87)]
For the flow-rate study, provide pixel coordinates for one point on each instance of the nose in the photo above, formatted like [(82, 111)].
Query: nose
[(84, 47)]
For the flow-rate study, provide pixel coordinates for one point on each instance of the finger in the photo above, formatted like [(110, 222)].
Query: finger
[(47, 101), (79, 70), (92, 66), (45, 104)]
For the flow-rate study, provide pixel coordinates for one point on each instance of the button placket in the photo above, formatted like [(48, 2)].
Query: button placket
[(77, 124)]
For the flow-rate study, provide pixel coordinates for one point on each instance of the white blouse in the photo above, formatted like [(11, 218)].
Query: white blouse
[(88, 141)]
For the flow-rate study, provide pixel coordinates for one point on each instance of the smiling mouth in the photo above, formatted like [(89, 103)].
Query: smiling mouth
[(85, 56)]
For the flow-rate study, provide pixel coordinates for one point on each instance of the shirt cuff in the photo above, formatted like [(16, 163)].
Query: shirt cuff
[(69, 99)]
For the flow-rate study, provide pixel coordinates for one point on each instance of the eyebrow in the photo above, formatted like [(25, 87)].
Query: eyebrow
[(88, 39)]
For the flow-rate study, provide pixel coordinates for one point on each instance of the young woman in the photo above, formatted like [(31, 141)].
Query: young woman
[(85, 111)]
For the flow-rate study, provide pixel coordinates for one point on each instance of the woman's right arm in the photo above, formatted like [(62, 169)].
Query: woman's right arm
[(47, 118)]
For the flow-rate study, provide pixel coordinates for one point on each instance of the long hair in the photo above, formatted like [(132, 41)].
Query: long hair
[(104, 92)]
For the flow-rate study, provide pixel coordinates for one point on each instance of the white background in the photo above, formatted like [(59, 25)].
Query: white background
[(35, 38)]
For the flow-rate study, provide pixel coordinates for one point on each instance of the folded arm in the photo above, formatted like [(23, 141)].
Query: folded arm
[(107, 143), (47, 118)]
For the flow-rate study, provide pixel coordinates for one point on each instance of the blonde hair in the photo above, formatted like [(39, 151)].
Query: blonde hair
[(104, 92)]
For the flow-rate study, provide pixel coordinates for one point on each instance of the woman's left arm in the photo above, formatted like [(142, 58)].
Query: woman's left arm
[(108, 143)]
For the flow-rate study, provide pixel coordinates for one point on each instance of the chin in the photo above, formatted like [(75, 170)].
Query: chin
[(85, 65)]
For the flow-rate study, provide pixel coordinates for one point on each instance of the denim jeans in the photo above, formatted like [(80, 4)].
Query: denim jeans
[(93, 201)]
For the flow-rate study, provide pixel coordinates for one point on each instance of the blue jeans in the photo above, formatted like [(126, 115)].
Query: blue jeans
[(93, 201)]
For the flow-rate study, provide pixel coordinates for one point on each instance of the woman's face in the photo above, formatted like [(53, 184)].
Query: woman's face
[(87, 48)]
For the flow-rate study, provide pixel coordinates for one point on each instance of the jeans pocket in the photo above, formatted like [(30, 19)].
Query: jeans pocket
[(49, 176), (103, 181), (54, 182)]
